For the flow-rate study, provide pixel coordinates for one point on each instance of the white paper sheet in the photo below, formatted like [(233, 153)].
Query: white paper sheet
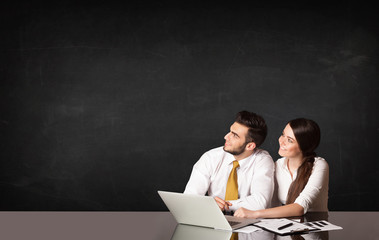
[(323, 225)]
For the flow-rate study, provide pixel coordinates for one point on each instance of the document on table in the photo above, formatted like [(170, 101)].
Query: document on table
[(323, 225), (284, 226)]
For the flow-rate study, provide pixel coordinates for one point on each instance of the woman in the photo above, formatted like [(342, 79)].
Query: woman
[(302, 179)]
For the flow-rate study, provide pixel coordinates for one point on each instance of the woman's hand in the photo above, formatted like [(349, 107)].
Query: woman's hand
[(245, 213)]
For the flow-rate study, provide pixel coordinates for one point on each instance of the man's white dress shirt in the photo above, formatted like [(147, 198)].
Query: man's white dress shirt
[(314, 197), (255, 178)]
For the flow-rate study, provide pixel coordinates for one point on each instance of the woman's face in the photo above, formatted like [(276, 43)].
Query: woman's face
[(288, 146)]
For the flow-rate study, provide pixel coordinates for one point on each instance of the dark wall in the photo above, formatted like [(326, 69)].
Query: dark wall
[(103, 104)]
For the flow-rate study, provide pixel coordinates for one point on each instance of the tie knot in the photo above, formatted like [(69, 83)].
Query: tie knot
[(235, 164)]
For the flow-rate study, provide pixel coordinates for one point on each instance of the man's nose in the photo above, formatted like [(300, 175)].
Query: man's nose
[(227, 136)]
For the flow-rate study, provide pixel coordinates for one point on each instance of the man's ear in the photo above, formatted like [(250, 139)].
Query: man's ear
[(251, 146)]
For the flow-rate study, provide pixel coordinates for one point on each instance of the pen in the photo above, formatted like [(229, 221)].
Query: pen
[(285, 226)]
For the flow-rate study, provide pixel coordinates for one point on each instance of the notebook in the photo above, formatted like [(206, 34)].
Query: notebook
[(201, 211)]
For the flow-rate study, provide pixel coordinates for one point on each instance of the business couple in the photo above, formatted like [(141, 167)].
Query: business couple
[(244, 179)]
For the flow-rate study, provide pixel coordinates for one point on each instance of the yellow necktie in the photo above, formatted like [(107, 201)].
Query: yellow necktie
[(234, 236), (232, 185)]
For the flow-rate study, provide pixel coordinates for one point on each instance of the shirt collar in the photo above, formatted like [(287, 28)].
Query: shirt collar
[(243, 162), (284, 166)]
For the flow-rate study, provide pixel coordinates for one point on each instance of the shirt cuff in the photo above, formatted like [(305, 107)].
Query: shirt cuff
[(302, 203), (235, 204)]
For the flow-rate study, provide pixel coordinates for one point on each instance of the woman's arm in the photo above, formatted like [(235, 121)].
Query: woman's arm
[(290, 210)]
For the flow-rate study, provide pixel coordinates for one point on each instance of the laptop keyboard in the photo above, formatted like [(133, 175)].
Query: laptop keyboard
[(232, 223)]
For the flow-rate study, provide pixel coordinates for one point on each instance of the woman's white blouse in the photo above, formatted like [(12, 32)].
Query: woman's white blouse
[(314, 197)]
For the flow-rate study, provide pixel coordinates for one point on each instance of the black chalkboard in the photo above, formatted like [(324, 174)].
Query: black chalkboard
[(104, 104)]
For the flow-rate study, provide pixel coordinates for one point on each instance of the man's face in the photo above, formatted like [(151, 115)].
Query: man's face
[(235, 140)]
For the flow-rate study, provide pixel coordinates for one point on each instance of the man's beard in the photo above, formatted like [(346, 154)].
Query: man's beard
[(238, 151)]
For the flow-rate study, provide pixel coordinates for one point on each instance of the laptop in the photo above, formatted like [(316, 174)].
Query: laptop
[(201, 211)]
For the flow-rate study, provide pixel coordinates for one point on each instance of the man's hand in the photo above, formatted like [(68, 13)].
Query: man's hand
[(224, 205)]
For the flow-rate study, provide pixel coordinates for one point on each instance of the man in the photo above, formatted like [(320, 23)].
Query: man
[(240, 159)]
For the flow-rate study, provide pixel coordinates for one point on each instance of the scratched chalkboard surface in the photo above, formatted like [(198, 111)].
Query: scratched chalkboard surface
[(104, 104)]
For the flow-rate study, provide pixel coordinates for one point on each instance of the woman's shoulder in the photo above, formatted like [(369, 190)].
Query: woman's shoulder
[(320, 163), (320, 160), (281, 162)]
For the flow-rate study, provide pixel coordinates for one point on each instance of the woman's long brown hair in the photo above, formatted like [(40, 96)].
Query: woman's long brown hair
[(307, 134)]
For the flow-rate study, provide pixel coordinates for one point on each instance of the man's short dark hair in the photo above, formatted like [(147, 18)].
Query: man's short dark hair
[(257, 126)]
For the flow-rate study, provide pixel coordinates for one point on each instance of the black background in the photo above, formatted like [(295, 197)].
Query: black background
[(103, 104)]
